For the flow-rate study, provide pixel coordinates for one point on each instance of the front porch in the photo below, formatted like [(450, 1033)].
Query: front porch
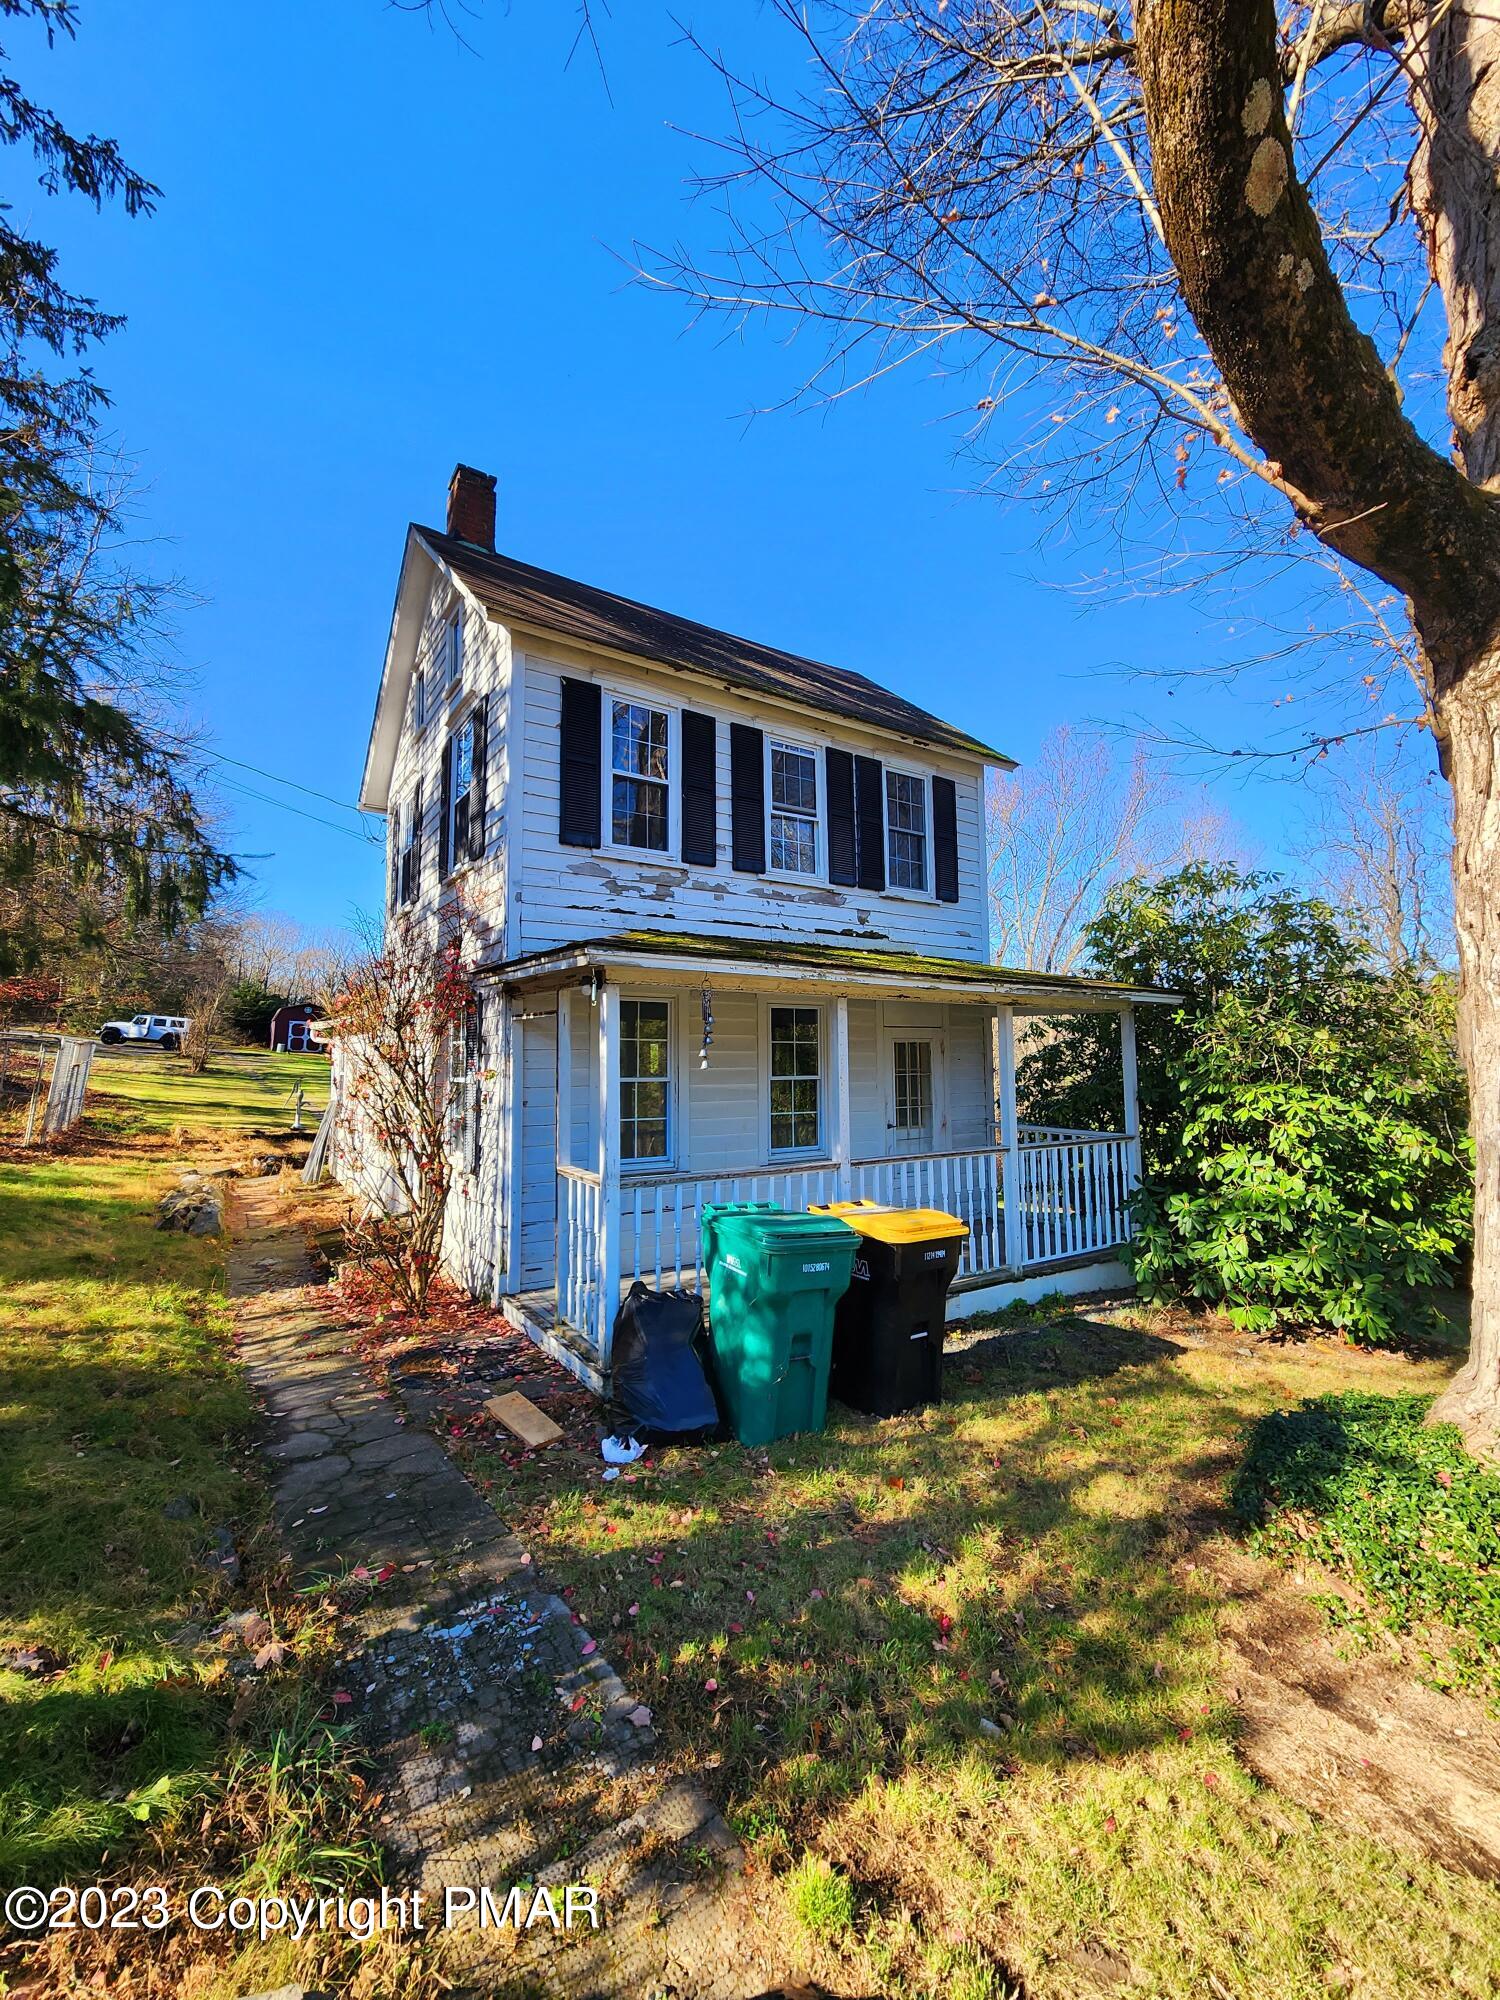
[(645, 1083)]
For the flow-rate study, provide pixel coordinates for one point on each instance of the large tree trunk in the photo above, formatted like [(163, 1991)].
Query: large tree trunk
[(1469, 717), (1311, 390)]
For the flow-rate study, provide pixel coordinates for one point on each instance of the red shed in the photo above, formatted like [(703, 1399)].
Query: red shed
[(291, 1030)]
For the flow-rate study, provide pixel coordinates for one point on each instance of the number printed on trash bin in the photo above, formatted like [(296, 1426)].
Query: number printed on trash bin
[(817, 1267)]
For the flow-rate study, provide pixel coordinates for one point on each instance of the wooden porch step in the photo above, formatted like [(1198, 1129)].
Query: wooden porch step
[(535, 1314)]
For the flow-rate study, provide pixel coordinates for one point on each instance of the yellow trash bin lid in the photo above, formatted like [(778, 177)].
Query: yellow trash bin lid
[(895, 1225)]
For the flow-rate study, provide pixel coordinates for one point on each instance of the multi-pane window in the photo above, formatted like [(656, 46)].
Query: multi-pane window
[(465, 1094), (913, 1091), (461, 780), (796, 1079), (638, 775), (408, 836), (906, 829), (794, 809), (453, 650), (645, 1079)]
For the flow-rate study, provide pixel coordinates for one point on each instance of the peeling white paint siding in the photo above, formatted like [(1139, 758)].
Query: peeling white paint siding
[(483, 883), (562, 894)]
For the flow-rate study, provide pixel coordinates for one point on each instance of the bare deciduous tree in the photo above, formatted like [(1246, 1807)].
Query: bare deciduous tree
[(1206, 260), (395, 1021), (1065, 829), (1380, 849)]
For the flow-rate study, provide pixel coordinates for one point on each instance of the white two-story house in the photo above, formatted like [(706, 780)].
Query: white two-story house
[(726, 911)]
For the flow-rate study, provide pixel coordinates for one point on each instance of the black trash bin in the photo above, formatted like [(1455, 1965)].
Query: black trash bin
[(889, 1330)]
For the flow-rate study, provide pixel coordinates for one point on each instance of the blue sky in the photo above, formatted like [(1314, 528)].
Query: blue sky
[(378, 253)]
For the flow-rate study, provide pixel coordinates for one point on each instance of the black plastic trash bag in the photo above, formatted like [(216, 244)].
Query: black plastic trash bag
[(658, 1377)]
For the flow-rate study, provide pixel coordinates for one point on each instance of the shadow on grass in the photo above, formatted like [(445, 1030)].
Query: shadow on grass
[(999, 1577)]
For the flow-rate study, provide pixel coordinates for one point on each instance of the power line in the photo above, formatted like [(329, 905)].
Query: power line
[(366, 839), (275, 777)]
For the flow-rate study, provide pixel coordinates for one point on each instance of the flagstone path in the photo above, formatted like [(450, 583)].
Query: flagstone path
[(504, 1737)]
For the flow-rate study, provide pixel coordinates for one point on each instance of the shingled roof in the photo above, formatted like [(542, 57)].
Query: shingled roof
[(549, 603)]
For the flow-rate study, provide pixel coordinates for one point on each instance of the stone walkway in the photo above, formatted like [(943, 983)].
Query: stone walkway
[(505, 1738)]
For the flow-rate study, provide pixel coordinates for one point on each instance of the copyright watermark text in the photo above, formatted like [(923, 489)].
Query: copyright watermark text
[(210, 1907)]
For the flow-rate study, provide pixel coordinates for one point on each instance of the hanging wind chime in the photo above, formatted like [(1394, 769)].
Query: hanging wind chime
[(708, 1027)]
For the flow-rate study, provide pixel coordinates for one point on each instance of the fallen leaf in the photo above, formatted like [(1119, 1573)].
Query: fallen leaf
[(590, 1646), (710, 1687), (341, 1699), (536, 1742)]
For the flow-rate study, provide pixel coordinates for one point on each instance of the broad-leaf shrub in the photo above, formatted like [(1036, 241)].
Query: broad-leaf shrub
[(1316, 1178), (1302, 1116), (1394, 1504)]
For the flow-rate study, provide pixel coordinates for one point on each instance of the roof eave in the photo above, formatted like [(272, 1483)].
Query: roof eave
[(541, 969)]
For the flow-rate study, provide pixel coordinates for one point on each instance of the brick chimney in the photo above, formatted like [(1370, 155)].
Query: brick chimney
[(471, 506)]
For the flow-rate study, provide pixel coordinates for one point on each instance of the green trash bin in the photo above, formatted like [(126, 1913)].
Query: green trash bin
[(774, 1278)]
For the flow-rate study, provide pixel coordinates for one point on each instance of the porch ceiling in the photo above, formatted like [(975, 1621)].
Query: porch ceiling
[(774, 964)]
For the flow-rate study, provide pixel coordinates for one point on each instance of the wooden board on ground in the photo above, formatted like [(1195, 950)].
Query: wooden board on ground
[(520, 1415)]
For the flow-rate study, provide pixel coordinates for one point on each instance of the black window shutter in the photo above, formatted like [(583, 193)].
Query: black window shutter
[(579, 776), (747, 798), (843, 848), (481, 720), (416, 842), (945, 839), (393, 821), (700, 797), (869, 819), (444, 857)]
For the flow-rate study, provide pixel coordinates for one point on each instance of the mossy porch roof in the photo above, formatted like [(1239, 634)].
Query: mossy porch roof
[(769, 955)]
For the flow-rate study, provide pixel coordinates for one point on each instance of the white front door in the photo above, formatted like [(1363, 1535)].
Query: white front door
[(912, 1084)]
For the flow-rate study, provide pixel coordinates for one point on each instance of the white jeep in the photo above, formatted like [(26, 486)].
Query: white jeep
[(166, 1030)]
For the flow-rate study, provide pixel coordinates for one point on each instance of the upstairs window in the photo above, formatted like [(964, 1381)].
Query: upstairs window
[(638, 776), (645, 1080), (453, 651), (411, 818), (419, 700), (796, 1036), (906, 830), (794, 809), (461, 750)]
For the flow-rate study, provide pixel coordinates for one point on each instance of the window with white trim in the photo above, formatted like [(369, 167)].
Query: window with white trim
[(461, 780), (796, 1039), (793, 797), (465, 1087), (645, 1081), (419, 700), (906, 830), (638, 775), (453, 650), (408, 850)]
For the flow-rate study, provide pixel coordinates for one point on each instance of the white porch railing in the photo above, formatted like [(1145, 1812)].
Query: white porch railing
[(661, 1218), (1073, 1195), (968, 1185), (580, 1234), (1071, 1201)]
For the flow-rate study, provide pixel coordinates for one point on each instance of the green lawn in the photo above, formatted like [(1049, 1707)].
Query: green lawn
[(956, 1677), (237, 1092), (129, 1749)]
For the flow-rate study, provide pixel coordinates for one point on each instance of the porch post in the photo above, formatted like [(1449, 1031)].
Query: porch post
[(563, 1148), (842, 1173), (1010, 1144), (609, 1168), (508, 1155), (1132, 1109)]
